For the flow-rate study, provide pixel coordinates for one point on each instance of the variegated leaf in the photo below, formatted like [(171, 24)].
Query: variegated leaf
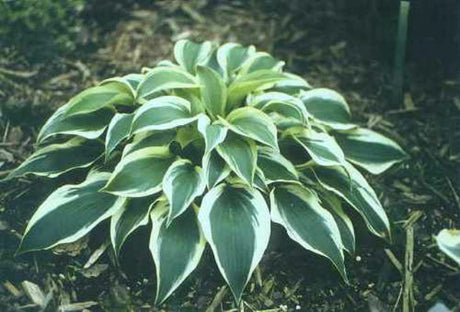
[(165, 78), (370, 150), (241, 156), (182, 183), (162, 113), (176, 249), (140, 173), (254, 124), (56, 159), (69, 213), (298, 210), (133, 214), (348, 183), (118, 130), (236, 223), (189, 54)]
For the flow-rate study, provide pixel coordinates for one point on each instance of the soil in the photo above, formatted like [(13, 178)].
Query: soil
[(422, 194)]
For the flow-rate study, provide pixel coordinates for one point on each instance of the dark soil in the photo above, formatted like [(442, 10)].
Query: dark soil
[(321, 42)]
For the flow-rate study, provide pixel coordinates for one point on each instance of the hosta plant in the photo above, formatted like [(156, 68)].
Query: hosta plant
[(208, 151)]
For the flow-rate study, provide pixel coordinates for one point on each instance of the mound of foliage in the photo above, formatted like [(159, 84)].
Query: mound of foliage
[(209, 151)]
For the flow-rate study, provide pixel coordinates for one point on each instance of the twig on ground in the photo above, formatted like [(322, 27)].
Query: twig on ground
[(408, 292), (395, 261), (217, 299)]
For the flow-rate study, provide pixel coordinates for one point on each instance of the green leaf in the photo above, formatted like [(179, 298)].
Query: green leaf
[(241, 156), (215, 168), (236, 223), (294, 85), (193, 96), (328, 107), (348, 183), (165, 78), (275, 167), (95, 98), (189, 54), (297, 209), (213, 134), (56, 159), (254, 124), (69, 213), (283, 105), (286, 109), (321, 147), (347, 232), (176, 249), (370, 150), (133, 214), (260, 100), (182, 183), (231, 56), (213, 91), (246, 84), (134, 80), (118, 130), (149, 139), (449, 243), (260, 61), (125, 84), (260, 181), (89, 126), (162, 113), (140, 173)]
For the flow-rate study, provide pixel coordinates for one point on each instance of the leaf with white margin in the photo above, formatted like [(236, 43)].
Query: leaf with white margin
[(260, 181), (286, 110), (259, 100), (69, 213), (275, 166), (246, 84), (165, 78), (294, 85), (236, 223), (283, 104), (140, 173), (182, 183), (328, 107), (176, 249), (134, 80), (56, 159), (260, 61), (118, 130), (193, 96), (230, 56), (95, 98), (213, 134), (241, 156), (347, 232), (126, 83), (149, 139), (298, 210), (162, 113), (449, 243), (349, 183), (370, 150), (133, 214), (254, 124), (89, 126), (215, 168), (321, 147), (213, 90), (188, 54)]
